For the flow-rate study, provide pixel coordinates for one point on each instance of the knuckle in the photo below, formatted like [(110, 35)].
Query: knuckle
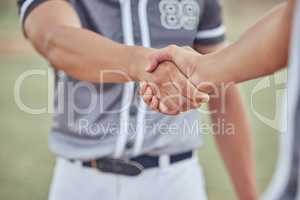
[(164, 65), (157, 81), (172, 46)]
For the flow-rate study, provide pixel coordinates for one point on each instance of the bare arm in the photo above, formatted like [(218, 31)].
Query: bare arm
[(55, 31), (262, 50), (81, 53), (235, 148)]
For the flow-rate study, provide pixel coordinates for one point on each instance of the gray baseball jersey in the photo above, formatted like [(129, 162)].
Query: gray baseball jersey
[(94, 120)]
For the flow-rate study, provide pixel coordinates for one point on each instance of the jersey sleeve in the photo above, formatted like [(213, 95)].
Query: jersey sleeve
[(211, 29)]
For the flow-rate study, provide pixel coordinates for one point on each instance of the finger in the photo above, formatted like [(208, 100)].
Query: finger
[(143, 87), (185, 58), (147, 97), (187, 105), (194, 96), (171, 53), (170, 97), (165, 110), (154, 105), (158, 57), (188, 90), (188, 48), (155, 88)]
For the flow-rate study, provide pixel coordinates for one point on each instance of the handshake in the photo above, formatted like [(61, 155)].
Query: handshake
[(176, 79)]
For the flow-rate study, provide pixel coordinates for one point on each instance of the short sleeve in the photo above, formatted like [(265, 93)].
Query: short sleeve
[(211, 29)]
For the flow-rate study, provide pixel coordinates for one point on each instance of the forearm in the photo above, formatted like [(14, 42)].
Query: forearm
[(262, 50), (234, 141), (81, 53), (88, 56)]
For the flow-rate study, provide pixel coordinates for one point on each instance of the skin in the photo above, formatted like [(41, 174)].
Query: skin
[(231, 147), (230, 109), (58, 38), (88, 56), (262, 50)]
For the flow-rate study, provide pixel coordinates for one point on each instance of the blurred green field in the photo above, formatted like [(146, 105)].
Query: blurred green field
[(25, 162)]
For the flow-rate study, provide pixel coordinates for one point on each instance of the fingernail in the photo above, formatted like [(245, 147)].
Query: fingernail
[(148, 91), (150, 68), (163, 108), (206, 99)]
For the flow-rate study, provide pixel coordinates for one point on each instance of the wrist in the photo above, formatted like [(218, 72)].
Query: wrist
[(204, 70), (222, 73), (212, 69), (249, 195), (138, 59)]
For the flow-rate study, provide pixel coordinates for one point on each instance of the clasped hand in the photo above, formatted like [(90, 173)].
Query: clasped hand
[(174, 86)]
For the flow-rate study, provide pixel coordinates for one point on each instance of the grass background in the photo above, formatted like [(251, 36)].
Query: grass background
[(25, 162)]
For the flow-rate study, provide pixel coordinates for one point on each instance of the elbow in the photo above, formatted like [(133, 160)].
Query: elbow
[(46, 43), (50, 47)]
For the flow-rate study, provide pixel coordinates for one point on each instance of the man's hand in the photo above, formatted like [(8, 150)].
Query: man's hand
[(88, 56), (167, 89), (201, 70), (246, 59), (186, 60)]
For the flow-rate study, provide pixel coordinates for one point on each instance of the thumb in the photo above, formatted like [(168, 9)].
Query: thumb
[(156, 58), (206, 87), (188, 48)]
